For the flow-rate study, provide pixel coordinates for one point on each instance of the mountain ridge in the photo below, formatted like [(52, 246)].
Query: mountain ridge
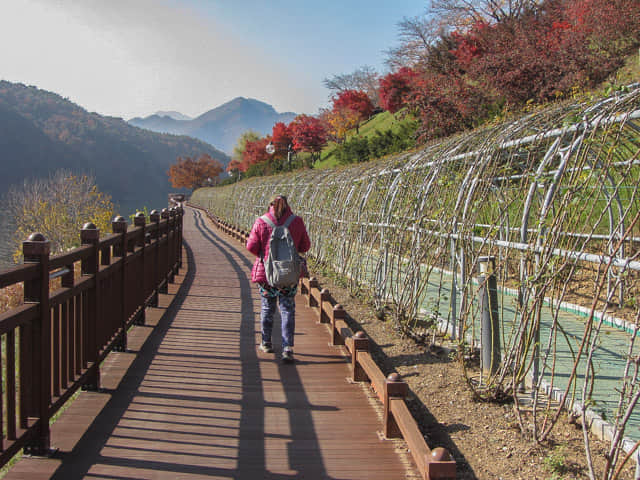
[(221, 126), (173, 114)]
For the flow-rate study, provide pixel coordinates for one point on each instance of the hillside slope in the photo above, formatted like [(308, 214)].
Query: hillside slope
[(41, 132)]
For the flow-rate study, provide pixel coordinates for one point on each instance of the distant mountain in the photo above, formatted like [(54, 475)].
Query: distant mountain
[(221, 126), (174, 115), (160, 124), (41, 132)]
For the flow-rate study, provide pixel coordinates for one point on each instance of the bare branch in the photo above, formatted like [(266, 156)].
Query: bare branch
[(364, 79), (460, 14)]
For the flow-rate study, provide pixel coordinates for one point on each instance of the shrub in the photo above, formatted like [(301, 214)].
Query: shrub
[(446, 104), (355, 150), (361, 149)]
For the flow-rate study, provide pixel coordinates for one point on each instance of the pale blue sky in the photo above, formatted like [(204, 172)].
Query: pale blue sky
[(133, 57)]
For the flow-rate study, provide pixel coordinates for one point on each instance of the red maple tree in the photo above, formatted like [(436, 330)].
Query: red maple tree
[(396, 87), (281, 137), (549, 50), (354, 100), (308, 134), (255, 152)]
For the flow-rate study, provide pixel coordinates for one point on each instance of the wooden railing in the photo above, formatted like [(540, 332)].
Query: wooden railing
[(398, 422), (54, 343)]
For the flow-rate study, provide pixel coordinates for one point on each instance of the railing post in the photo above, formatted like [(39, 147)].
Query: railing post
[(360, 344), (154, 217), (440, 464), (179, 219), (324, 297), (140, 221), (90, 235), (488, 299), (119, 227), (164, 215), (313, 283), (69, 318), (37, 250), (338, 313), (172, 245), (303, 286), (394, 387)]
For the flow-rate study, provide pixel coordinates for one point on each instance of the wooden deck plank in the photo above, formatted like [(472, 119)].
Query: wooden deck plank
[(195, 398)]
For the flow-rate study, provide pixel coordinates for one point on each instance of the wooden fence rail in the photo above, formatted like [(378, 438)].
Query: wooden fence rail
[(398, 422), (53, 344)]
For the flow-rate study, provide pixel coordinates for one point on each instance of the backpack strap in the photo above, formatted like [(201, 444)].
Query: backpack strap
[(286, 224), (289, 220), (268, 221)]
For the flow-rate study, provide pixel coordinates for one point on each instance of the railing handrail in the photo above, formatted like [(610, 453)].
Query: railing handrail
[(64, 334)]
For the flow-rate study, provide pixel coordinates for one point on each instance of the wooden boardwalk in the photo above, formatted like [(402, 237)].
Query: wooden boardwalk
[(193, 398)]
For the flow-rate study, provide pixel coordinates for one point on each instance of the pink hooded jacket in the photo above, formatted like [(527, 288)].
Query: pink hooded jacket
[(258, 241)]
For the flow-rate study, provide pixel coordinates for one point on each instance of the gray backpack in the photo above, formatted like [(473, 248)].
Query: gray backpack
[(282, 265)]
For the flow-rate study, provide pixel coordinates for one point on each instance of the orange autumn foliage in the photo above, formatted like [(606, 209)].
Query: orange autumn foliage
[(190, 173)]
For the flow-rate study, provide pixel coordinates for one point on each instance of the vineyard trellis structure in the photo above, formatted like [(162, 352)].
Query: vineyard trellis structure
[(552, 196)]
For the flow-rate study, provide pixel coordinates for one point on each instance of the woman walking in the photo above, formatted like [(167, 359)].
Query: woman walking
[(279, 214)]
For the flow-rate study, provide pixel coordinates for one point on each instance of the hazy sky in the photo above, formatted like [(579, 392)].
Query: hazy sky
[(131, 58)]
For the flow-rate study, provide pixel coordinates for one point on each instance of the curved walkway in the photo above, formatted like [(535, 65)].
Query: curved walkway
[(193, 398)]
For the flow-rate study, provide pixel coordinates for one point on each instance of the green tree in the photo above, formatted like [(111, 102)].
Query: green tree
[(238, 150)]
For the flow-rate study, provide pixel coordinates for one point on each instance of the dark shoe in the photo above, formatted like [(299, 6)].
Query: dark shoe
[(266, 347), (287, 355)]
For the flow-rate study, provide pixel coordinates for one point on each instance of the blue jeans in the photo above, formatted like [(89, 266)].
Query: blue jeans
[(287, 315)]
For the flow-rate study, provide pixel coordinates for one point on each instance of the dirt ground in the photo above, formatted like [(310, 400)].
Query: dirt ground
[(484, 438)]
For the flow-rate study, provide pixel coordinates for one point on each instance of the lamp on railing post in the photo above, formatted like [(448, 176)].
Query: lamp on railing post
[(272, 148)]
